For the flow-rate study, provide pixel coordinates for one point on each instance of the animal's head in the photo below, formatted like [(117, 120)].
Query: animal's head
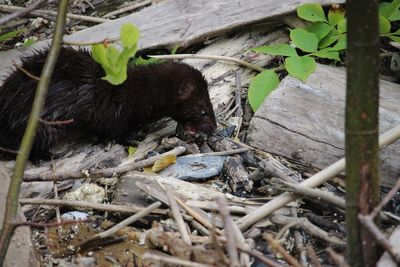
[(195, 114)]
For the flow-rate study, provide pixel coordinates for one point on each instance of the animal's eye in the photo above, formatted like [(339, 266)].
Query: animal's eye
[(203, 113)]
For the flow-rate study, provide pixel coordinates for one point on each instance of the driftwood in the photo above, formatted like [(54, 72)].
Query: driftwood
[(305, 121), (180, 22), (237, 177)]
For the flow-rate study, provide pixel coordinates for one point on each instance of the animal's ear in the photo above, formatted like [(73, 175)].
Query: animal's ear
[(185, 90)]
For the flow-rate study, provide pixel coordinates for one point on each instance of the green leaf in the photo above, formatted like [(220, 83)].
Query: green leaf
[(341, 44), (28, 42), (276, 50), (384, 25), (300, 67), (99, 54), (397, 32), (311, 12), (174, 49), (327, 53), (395, 16), (129, 34), (342, 26), (10, 35), (131, 150), (387, 10), (329, 39), (308, 42), (395, 38), (335, 15), (320, 29), (141, 61), (260, 87)]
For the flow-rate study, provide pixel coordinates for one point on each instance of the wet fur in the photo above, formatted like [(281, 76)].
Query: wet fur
[(77, 92)]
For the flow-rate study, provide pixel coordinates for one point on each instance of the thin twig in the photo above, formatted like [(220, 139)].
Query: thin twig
[(120, 225), (11, 151), (56, 122), (52, 224), (98, 173), (313, 256), (226, 153), (310, 192), (178, 217), (25, 10), (27, 73), (171, 260), (386, 199), (368, 222), (257, 254), (279, 249), (339, 260), (31, 128), (211, 57), (308, 227), (104, 41), (128, 8), (238, 96), (228, 232), (84, 204), (41, 12)]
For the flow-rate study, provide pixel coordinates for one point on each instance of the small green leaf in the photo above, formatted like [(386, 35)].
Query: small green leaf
[(261, 86), (174, 49), (384, 25), (342, 26), (141, 61), (276, 50), (311, 12), (10, 35), (389, 9), (129, 34), (131, 150), (335, 15), (300, 67), (341, 44), (320, 29), (329, 39), (395, 38), (29, 41), (327, 53), (99, 54), (304, 40), (395, 16)]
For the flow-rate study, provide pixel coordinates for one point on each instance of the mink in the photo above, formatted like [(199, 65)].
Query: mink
[(78, 93)]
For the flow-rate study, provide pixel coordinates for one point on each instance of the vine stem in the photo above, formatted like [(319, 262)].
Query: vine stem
[(212, 57), (10, 215)]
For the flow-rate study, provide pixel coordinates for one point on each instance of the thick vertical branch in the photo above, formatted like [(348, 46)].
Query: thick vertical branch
[(362, 102), (30, 132)]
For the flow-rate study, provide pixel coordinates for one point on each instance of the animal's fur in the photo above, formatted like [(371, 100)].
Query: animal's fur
[(77, 92)]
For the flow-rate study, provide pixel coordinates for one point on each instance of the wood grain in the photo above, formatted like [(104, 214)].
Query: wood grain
[(305, 121)]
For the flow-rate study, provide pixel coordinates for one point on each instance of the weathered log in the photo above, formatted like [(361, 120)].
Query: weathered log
[(305, 121)]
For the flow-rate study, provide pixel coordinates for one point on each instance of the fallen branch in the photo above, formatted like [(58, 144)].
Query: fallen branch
[(85, 204), (99, 173)]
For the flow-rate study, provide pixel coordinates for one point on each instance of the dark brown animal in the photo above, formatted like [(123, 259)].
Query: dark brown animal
[(77, 92)]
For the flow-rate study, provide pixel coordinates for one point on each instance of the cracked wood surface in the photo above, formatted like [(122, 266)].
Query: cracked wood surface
[(182, 22), (305, 121)]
